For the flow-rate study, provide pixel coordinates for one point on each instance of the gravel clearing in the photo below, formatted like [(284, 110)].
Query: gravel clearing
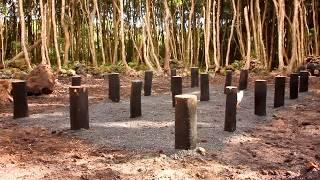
[(110, 125)]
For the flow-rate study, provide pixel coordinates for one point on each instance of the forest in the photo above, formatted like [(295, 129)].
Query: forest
[(143, 34)]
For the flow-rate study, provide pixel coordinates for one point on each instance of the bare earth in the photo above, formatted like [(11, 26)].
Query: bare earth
[(283, 145)]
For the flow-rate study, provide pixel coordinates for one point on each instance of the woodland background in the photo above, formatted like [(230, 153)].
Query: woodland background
[(126, 35)]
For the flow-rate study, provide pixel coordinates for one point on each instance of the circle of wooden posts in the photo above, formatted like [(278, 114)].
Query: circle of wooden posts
[(20, 100), (114, 87), (76, 81), (228, 81), (230, 124), (279, 93), (79, 112), (148, 83), (176, 88), (204, 87), (243, 81), (294, 86), (186, 122), (304, 81), (260, 98), (194, 77), (135, 99)]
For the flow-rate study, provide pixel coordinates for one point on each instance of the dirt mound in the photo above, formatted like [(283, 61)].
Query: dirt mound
[(41, 80), (5, 90)]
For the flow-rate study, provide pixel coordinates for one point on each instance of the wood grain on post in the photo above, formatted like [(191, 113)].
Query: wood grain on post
[(243, 81), (176, 87), (79, 112), (20, 100), (294, 86), (279, 92), (114, 87), (148, 83), (228, 81), (186, 122), (76, 81), (260, 98), (204, 87), (194, 77), (230, 124), (304, 81), (135, 99)]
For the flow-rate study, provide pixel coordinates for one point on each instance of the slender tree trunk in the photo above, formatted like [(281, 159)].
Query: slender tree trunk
[(66, 34), (23, 33), (232, 31), (246, 18), (55, 37)]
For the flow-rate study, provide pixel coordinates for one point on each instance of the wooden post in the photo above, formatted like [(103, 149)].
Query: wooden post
[(230, 124), (194, 77), (148, 83), (279, 93), (228, 81), (304, 81), (76, 81), (173, 73), (176, 88), (243, 82), (204, 87), (20, 101), (186, 122), (79, 112), (260, 98), (294, 86), (135, 99), (114, 87)]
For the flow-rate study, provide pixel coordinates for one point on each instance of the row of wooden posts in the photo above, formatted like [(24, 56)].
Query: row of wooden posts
[(185, 105)]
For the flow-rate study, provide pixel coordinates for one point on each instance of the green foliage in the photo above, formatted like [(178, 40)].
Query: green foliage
[(236, 65)]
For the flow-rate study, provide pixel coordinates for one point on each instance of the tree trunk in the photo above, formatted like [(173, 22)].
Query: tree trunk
[(23, 33)]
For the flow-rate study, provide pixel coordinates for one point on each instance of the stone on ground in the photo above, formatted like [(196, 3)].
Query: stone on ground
[(5, 92), (41, 80)]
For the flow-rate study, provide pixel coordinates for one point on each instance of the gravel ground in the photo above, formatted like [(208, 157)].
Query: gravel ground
[(154, 131)]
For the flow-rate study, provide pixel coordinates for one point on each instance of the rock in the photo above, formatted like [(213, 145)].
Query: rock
[(79, 69), (18, 63), (20, 75), (41, 80), (201, 151), (5, 92), (71, 72)]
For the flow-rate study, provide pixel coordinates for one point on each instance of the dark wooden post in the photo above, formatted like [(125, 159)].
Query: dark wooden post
[(135, 99), (260, 98), (148, 83), (194, 77), (20, 101), (176, 88), (76, 81), (186, 122), (173, 73), (204, 87), (279, 93), (114, 87), (228, 81), (304, 81), (243, 82), (230, 124), (79, 112), (294, 86)]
